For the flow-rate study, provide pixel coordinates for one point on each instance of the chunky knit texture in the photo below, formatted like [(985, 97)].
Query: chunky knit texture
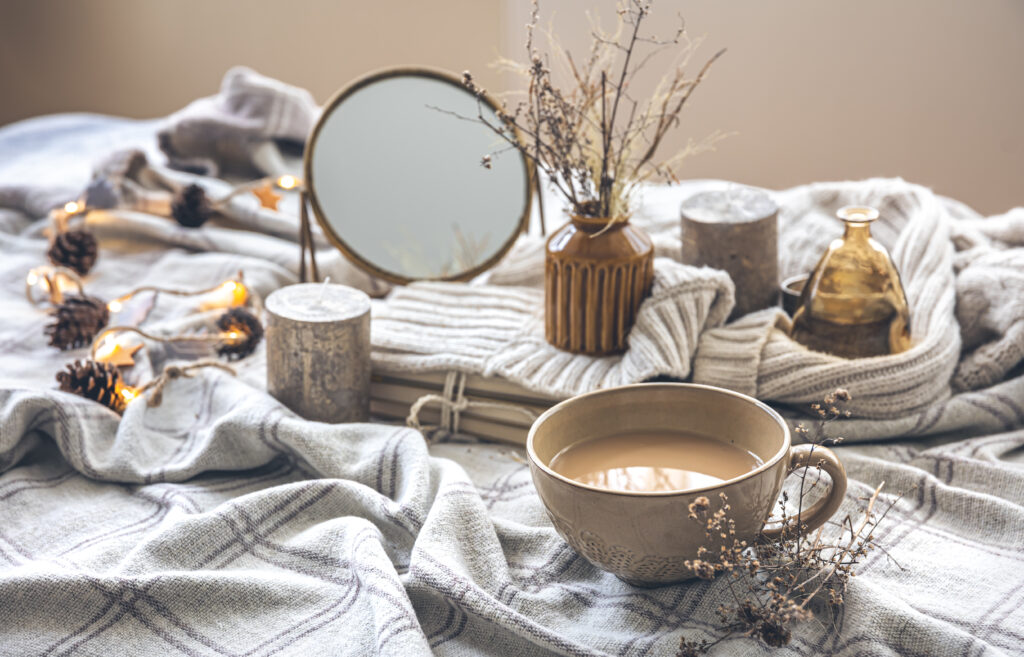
[(499, 331), (496, 329), (990, 298), (755, 354)]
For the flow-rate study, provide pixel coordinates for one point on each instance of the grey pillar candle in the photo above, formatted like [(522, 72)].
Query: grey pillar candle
[(735, 230), (318, 351)]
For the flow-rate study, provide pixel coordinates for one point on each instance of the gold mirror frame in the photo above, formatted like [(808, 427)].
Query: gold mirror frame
[(320, 215)]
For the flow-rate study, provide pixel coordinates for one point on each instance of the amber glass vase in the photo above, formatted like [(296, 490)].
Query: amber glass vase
[(853, 305), (597, 273)]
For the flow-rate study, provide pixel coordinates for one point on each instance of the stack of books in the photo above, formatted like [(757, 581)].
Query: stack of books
[(496, 409)]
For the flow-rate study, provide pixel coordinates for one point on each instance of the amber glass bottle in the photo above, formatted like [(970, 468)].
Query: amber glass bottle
[(853, 305), (596, 272)]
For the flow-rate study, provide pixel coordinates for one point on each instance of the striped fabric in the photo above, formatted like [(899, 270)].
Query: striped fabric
[(221, 524)]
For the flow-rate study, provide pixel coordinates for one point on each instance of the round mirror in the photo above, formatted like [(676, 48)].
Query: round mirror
[(395, 177)]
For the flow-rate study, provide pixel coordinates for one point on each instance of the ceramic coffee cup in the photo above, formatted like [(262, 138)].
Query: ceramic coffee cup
[(644, 538), (792, 288)]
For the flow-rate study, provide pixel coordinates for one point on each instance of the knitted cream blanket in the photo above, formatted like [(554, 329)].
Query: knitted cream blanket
[(494, 325)]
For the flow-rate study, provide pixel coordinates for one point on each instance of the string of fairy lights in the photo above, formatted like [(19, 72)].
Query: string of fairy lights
[(80, 319)]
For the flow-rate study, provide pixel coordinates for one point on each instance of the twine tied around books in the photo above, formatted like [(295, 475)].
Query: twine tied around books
[(453, 402)]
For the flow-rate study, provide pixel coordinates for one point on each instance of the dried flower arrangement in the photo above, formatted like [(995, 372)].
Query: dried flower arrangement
[(777, 582), (596, 139)]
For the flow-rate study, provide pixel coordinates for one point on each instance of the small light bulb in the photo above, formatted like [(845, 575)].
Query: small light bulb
[(71, 207), (65, 283), (32, 278), (128, 394), (230, 286), (114, 306), (239, 294), (287, 182), (105, 350), (232, 335)]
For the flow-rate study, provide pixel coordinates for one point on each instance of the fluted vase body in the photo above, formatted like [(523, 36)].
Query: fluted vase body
[(597, 273)]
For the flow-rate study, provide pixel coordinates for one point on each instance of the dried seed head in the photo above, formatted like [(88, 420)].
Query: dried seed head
[(699, 506)]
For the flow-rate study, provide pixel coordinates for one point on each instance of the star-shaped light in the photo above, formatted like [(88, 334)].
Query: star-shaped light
[(117, 355), (267, 196)]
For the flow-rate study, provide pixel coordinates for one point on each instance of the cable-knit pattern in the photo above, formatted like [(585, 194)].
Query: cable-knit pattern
[(915, 226), (497, 330)]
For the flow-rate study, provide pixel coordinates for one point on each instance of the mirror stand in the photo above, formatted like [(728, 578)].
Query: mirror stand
[(540, 200), (306, 243)]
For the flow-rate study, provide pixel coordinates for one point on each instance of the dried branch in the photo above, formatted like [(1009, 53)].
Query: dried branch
[(579, 136), (775, 583)]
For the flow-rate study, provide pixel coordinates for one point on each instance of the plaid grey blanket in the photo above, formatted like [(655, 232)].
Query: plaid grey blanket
[(220, 524)]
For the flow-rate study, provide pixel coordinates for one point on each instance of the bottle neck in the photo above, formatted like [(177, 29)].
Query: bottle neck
[(597, 224), (857, 231)]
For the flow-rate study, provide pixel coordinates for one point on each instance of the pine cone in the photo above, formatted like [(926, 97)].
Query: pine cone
[(190, 207), (75, 249), (96, 381), (249, 331), (77, 321)]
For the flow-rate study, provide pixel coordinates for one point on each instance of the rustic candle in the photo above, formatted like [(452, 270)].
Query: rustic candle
[(735, 230), (318, 351)]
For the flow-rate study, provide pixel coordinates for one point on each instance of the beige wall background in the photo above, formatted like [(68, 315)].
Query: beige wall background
[(929, 90)]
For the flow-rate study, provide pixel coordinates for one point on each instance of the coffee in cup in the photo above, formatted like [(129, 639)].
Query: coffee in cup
[(653, 461), (582, 453)]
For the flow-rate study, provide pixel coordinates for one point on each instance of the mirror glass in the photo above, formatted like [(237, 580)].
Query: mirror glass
[(396, 180)]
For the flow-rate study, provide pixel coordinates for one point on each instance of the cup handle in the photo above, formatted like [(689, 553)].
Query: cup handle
[(814, 456)]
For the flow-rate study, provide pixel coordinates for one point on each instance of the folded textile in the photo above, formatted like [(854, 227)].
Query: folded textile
[(499, 331), (755, 354), (990, 294), (903, 394), (221, 524), (221, 134)]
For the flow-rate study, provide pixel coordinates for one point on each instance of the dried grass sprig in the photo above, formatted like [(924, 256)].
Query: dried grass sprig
[(594, 140), (774, 583)]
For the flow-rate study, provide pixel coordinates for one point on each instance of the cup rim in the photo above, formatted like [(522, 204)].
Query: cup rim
[(788, 281), (767, 465)]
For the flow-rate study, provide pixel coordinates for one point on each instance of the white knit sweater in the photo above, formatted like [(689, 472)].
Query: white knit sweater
[(756, 356), (498, 330), (494, 326)]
